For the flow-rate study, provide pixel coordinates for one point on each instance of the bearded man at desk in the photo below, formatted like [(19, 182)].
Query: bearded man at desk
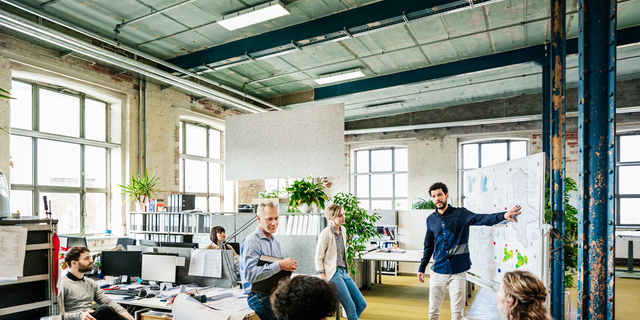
[(262, 242), (79, 291)]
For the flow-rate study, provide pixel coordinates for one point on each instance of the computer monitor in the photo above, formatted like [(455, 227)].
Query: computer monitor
[(126, 242), (235, 246), (179, 245), (69, 241), (149, 243), (121, 263), (159, 267)]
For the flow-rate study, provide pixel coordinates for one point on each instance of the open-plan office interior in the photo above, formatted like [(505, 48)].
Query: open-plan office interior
[(412, 92)]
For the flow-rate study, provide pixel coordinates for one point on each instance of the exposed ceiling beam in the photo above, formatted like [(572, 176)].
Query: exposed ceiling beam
[(48, 3), (519, 56), (155, 12), (359, 21)]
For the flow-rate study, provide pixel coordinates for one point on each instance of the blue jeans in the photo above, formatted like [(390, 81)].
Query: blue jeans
[(259, 302), (348, 294)]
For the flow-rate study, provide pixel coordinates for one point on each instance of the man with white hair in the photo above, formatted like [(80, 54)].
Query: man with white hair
[(262, 242)]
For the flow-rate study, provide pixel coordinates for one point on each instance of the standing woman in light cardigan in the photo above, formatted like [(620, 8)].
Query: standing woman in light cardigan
[(331, 262)]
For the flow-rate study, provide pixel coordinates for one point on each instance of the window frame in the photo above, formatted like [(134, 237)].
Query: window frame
[(354, 174), (618, 196), (184, 156), (82, 190)]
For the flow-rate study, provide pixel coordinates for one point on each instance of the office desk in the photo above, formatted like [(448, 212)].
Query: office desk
[(630, 236), (409, 256)]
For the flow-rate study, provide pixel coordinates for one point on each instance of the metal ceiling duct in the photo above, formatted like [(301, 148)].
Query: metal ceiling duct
[(137, 52)]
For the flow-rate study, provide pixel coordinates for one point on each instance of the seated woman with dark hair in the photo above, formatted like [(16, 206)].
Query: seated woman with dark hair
[(522, 296), (218, 235), (304, 297)]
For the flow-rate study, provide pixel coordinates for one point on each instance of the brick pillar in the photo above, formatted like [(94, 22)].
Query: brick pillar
[(5, 116)]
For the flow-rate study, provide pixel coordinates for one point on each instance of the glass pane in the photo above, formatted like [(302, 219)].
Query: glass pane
[(401, 162), (95, 120), (270, 185), (364, 204), (402, 204), (493, 153), (59, 113), (215, 180), (22, 157), (21, 201), (628, 180), (629, 211), (196, 140), (66, 208), (96, 207), (362, 185), (518, 149), (362, 161), (380, 160), (382, 204), (95, 165), (402, 185), (214, 144), (214, 204), (229, 196), (629, 150), (201, 204), (195, 176), (382, 186), (470, 156), (58, 163), (21, 106)]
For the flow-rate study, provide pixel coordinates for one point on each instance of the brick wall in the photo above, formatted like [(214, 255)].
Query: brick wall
[(5, 115)]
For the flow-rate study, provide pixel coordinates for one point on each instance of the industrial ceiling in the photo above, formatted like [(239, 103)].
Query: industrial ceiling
[(282, 57)]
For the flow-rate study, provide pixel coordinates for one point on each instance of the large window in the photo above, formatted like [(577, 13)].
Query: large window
[(60, 149), (201, 165), (379, 178), (628, 189), (477, 155)]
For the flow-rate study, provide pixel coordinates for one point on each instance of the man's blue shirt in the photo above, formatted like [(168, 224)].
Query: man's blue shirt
[(254, 245), (447, 238)]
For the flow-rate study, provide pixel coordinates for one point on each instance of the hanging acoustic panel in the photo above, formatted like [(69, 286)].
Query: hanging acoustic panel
[(291, 143)]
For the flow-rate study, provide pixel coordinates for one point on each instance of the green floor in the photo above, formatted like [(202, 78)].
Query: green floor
[(404, 298)]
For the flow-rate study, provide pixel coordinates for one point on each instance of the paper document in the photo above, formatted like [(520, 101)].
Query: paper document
[(206, 263), (13, 247)]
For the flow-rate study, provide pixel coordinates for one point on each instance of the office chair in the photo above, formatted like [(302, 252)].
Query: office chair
[(126, 242), (69, 241), (149, 243)]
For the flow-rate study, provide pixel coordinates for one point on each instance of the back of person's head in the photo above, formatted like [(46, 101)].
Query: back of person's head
[(524, 296), (304, 297), (74, 254), (265, 204), (214, 234), (438, 185), (332, 211)]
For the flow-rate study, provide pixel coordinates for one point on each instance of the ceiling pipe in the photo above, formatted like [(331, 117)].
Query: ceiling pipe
[(155, 13), (54, 37), (134, 51)]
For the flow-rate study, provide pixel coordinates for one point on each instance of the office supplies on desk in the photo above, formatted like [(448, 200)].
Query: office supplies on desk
[(123, 292), (268, 285)]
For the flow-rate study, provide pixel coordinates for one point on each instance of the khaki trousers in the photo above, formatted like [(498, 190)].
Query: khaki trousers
[(457, 289)]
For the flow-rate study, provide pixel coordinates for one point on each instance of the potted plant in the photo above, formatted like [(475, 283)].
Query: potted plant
[(305, 192), (140, 189), (422, 204), (360, 226)]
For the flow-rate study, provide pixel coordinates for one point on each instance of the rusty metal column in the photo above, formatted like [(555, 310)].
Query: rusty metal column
[(558, 63), (596, 167), (546, 114)]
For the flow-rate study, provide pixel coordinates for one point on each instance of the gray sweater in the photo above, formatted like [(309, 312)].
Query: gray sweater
[(78, 294)]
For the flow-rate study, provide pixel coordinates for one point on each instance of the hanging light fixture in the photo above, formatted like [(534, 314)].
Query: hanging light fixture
[(254, 15)]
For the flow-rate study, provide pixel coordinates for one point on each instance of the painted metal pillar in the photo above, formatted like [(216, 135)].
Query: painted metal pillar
[(596, 167), (546, 114), (557, 52)]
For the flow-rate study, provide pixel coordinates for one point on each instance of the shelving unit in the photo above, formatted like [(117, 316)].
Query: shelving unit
[(32, 296), (388, 239)]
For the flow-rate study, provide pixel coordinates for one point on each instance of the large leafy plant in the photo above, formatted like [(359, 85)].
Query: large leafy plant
[(571, 230), (423, 204), (360, 226), (4, 94), (141, 187), (306, 191)]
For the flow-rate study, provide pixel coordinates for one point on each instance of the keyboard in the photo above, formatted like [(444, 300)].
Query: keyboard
[(123, 292)]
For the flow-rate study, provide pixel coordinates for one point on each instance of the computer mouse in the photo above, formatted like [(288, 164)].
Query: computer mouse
[(150, 295), (143, 293)]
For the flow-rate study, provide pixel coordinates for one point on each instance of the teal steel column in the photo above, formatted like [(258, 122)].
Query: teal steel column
[(557, 52), (596, 183), (546, 114)]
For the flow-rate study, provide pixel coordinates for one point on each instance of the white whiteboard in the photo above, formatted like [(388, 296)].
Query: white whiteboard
[(508, 246), (291, 143)]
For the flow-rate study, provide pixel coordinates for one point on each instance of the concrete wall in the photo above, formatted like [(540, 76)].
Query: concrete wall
[(5, 115)]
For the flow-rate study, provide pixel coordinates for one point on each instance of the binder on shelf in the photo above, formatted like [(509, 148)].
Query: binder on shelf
[(268, 285), (289, 224)]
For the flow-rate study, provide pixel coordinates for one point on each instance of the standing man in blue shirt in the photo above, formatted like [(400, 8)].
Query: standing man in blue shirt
[(262, 242), (447, 239)]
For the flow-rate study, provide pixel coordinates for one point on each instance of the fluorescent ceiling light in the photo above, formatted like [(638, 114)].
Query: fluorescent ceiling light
[(253, 15), (340, 76)]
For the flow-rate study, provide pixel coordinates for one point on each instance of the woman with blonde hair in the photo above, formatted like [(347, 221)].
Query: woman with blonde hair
[(331, 262), (522, 296)]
